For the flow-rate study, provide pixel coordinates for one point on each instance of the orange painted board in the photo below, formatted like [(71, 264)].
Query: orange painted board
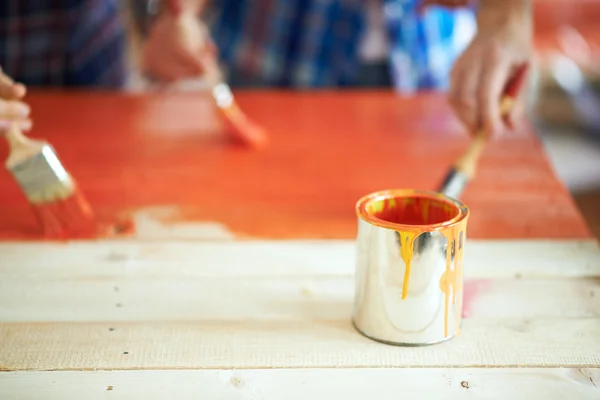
[(326, 150), (552, 16)]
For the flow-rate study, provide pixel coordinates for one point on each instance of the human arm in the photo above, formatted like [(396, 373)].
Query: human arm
[(502, 44)]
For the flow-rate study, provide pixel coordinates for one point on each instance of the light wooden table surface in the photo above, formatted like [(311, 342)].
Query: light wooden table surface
[(238, 283)]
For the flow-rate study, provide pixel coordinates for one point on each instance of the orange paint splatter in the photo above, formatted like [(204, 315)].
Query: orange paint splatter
[(451, 280)]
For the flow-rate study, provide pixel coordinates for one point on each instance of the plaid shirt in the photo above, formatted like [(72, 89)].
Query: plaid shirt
[(63, 42), (298, 43), (314, 43)]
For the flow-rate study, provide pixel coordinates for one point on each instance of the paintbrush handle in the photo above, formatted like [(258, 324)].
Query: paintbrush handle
[(21, 147), (468, 161), (16, 138)]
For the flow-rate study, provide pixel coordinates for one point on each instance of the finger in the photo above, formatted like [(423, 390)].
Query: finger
[(212, 51), (191, 61), (493, 79), (463, 95), (19, 90), (170, 71), (517, 111), (10, 90), (516, 86), (200, 50), (13, 109), (24, 125), (166, 66)]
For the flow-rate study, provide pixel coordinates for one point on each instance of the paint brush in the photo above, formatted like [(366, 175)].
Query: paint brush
[(52, 193), (465, 166), (242, 127)]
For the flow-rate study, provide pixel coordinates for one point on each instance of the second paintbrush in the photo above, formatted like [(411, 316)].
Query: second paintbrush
[(240, 126)]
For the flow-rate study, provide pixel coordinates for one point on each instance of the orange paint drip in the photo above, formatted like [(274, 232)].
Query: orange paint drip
[(458, 296), (406, 252), (451, 280), (447, 279)]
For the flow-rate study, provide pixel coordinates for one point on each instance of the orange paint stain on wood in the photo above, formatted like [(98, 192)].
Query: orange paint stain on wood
[(326, 150)]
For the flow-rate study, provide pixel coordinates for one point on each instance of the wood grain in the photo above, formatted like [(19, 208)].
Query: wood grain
[(131, 298), (128, 305), (250, 343), (112, 259), (296, 384), (327, 149)]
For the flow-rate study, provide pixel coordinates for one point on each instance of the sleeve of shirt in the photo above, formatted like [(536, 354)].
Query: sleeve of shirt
[(98, 45), (425, 45)]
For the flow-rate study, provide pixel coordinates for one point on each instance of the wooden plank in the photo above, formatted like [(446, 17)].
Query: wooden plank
[(110, 259), (130, 297), (296, 384), (264, 305), (484, 342)]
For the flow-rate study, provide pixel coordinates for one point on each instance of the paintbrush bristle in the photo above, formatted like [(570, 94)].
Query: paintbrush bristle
[(241, 126), (67, 218), (59, 206)]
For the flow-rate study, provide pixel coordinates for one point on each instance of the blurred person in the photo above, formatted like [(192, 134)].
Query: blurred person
[(63, 42), (283, 43), (470, 49)]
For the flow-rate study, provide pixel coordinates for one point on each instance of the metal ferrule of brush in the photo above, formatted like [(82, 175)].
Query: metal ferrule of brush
[(222, 95), (454, 184), (43, 178), (453, 187)]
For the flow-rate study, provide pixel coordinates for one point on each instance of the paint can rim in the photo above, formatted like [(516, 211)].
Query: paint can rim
[(361, 209)]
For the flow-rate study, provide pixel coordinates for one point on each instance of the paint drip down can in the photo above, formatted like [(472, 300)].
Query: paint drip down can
[(408, 279)]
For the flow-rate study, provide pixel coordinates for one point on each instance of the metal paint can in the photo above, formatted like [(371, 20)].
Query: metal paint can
[(409, 281)]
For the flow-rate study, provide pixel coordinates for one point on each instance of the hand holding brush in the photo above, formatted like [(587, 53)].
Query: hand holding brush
[(465, 167), (189, 45), (59, 206), (13, 110)]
